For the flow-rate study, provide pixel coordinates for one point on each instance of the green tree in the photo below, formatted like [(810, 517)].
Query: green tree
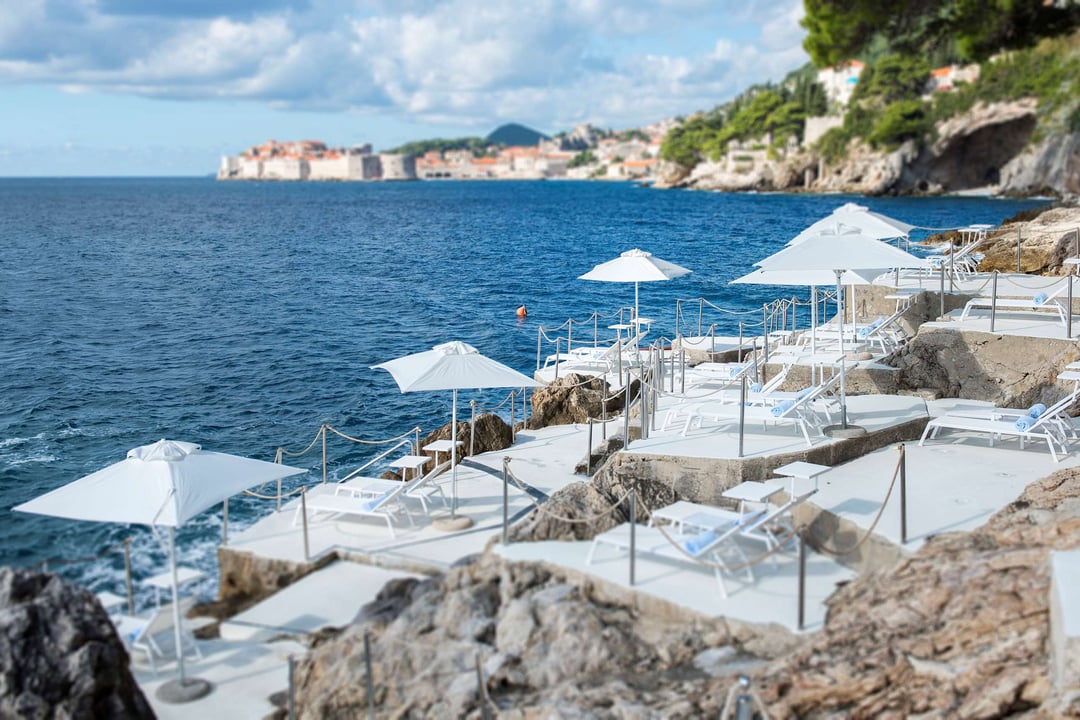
[(585, 157)]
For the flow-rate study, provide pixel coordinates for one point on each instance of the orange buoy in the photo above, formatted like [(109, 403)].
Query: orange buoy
[(522, 312)]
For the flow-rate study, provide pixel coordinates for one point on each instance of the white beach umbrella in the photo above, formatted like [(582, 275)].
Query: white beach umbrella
[(837, 250), (164, 484), (870, 223), (636, 266), (452, 366)]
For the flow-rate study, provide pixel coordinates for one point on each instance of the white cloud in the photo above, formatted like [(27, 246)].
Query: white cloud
[(550, 63)]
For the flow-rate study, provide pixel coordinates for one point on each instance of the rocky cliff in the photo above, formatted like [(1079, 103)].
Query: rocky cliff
[(990, 148), (59, 653)]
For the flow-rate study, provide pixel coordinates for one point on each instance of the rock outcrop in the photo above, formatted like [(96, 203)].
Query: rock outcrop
[(991, 147), (546, 647), (960, 630), (491, 434), (1007, 370), (59, 653), (574, 398), (1045, 241)]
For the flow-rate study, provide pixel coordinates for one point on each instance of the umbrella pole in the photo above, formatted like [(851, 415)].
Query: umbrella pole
[(453, 455), (637, 313), (813, 331), (178, 635), (843, 359)]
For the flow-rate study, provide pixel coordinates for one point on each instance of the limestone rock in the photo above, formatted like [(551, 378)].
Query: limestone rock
[(59, 653), (546, 648), (1051, 167), (959, 630), (867, 171), (492, 433), (574, 398), (576, 512), (1009, 371)]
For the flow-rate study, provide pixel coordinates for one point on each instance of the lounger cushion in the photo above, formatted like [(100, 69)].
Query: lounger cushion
[(782, 407), (699, 542)]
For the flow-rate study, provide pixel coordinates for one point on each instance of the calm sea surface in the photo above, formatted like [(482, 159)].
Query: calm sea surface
[(241, 316)]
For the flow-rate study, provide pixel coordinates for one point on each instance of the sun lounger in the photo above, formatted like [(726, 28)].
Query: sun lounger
[(154, 636), (598, 358), (708, 547), (1042, 301), (422, 488), (794, 411), (1047, 426), (326, 499)]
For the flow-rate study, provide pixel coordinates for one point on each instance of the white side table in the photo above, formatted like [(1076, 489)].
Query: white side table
[(411, 462), (441, 446), (750, 492), (801, 471)]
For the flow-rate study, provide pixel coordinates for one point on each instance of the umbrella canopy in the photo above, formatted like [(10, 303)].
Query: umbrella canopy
[(163, 484), (838, 249), (166, 484), (805, 277), (452, 366), (636, 266), (870, 223)]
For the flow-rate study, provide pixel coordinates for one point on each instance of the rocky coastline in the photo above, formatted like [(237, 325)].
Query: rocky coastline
[(991, 149)]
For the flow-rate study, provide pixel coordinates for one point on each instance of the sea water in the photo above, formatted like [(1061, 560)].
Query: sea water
[(242, 316)]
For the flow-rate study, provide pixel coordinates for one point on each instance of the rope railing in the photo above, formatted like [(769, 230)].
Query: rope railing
[(835, 552)]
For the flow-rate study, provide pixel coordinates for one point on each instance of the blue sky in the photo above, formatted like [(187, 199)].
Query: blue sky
[(165, 87)]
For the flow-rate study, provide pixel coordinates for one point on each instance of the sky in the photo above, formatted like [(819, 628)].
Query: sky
[(166, 87)]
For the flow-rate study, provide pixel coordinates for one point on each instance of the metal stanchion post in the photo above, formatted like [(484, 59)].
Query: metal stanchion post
[(643, 399), (506, 501), (682, 370), (739, 353), (588, 451), (303, 512), (633, 526), (626, 415), (1017, 248), (1069, 312), (370, 683), (472, 429), (513, 412), (279, 495), (993, 300), (225, 521), (802, 581), (742, 412), (903, 495), (323, 430), (941, 293), (292, 687), (127, 576), (481, 691)]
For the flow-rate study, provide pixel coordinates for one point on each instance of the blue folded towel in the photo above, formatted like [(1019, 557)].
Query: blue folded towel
[(1036, 410), (864, 331), (804, 392), (755, 387), (699, 542), (782, 407), (372, 504), (1040, 298), (734, 372), (1025, 423)]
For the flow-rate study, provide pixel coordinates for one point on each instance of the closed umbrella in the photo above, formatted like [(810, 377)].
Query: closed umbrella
[(164, 484), (839, 249), (636, 266), (452, 366)]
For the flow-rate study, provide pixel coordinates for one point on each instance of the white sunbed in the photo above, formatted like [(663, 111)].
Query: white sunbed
[(1034, 304), (1046, 427), (598, 358), (154, 636), (422, 488), (789, 410), (326, 499), (708, 547)]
